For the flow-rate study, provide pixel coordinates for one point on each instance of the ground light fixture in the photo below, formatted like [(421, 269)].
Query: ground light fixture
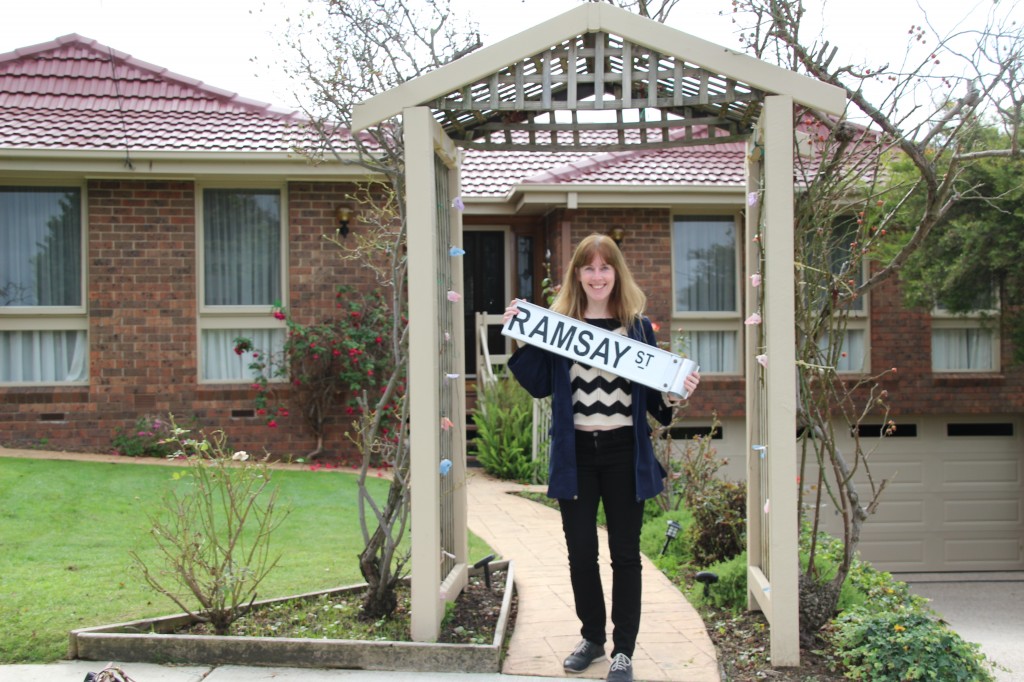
[(485, 563), (671, 532), (706, 578)]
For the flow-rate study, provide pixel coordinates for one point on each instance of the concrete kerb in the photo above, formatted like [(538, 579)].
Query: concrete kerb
[(154, 639)]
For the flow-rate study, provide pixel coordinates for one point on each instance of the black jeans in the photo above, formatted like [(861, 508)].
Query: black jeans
[(604, 464)]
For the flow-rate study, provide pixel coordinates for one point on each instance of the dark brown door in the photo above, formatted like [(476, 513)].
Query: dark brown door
[(484, 280)]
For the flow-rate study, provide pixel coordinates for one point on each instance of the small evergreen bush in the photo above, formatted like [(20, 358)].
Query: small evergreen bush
[(720, 524), (504, 420), (906, 644), (146, 438), (730, 592), (678, 553)]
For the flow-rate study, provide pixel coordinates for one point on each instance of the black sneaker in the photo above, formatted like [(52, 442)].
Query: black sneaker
[(621, 669), (582, 656)]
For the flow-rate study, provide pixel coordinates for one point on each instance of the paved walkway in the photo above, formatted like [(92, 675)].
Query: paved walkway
[(673, 643)]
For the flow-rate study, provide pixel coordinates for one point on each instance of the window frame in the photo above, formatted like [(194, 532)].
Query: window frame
[(236, 317), (73, 318), (860, 321), (729, 322), (986, 320)]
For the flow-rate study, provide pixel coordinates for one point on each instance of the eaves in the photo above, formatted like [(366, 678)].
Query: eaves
[(19, 163), (537, 199)]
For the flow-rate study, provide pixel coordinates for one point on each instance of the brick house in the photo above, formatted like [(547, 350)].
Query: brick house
[(138, 163)]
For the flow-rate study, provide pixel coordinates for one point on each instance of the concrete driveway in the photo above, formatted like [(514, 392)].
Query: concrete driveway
[(987, 608)]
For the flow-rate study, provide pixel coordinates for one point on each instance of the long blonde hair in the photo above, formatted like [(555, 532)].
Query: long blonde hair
[(627, 301)]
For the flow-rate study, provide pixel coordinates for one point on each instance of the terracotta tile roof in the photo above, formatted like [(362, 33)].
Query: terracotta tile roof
[(63, 95), (73, 93), (495, 173)]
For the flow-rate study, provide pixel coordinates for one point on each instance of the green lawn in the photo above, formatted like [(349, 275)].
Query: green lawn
[(66, 528)]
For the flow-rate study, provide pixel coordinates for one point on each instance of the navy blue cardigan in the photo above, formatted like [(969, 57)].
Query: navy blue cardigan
[(543, 374)]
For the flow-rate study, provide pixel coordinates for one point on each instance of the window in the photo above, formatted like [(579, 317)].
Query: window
[(242, 266), (706, 291), (966, 342), (854, 352), (43, 324)]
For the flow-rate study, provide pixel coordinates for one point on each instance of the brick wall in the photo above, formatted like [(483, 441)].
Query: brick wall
[(142, 310), (142, 261), (900, 338)]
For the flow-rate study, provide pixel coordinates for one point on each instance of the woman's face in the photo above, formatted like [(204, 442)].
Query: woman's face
[(597, 279)]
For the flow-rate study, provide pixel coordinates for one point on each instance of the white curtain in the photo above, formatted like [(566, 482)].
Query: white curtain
[(43, 356), (855, 349), (241, 247), (713, 351), (962, 349), (219, 362)]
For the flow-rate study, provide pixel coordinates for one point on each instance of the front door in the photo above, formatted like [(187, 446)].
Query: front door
[(485, 284)]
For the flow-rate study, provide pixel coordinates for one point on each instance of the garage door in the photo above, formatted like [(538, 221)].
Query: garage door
[(955, 501)]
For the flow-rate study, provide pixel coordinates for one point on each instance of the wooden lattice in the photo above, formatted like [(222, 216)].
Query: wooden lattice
[(515, 107)]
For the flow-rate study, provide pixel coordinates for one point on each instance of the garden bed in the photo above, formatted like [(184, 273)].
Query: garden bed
[(160, 640)]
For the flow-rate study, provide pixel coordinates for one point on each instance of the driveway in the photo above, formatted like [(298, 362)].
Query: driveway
[(987, 608)]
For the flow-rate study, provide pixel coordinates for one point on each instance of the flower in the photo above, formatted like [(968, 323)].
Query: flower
[(762, 360), (272, 424), (755, 280), (279, 315), (753, 319), (240, 456)]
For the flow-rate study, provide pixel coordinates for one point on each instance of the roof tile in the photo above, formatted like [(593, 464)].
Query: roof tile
[(75, 93)]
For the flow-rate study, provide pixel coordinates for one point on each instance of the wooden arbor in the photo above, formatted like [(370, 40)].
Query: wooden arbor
[(527, 93)]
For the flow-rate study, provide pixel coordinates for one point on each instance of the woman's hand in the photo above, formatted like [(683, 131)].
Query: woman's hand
[(690, 382), (511, 311)]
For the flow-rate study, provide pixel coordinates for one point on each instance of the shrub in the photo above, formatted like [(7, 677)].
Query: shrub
[(678, 553), (504, 420), (906, 644), (720, 524), (688, 471), (147, 438), (327, 364), (730, 592), (213, 531)]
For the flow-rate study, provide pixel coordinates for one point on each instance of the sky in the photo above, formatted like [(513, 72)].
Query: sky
[(215, 40)]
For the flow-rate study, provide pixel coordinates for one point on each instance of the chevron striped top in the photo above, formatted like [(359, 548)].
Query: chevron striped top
[(600, 400)]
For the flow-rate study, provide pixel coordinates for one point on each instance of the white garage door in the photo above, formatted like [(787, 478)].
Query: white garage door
[(955, 500)]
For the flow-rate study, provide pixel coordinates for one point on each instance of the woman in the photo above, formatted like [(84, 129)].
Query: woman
[(600, 448)]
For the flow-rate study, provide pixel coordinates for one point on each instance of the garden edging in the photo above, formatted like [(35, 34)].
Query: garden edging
[(151, 640)]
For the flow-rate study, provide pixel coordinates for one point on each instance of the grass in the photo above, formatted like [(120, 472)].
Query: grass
[(67, 528)]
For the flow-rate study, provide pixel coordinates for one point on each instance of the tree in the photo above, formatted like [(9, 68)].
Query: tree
[(343, 53), (978, 250), (886, 169)]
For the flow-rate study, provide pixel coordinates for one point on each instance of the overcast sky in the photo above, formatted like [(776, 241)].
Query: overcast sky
[(215, 40)]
